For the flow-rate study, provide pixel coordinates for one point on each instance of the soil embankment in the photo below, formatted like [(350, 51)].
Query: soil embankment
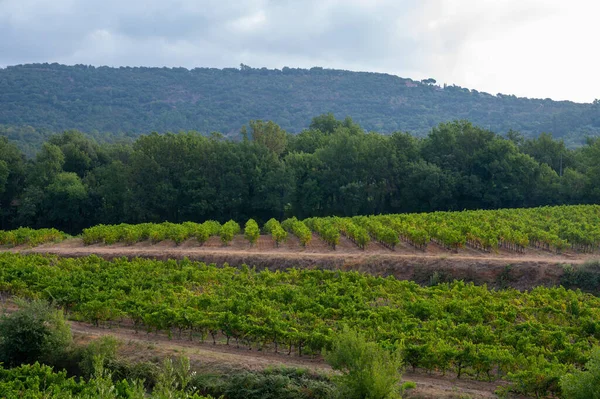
[(502, 269)]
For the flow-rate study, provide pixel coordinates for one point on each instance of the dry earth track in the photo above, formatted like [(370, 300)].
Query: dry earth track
[(208, 357), (504, 268)]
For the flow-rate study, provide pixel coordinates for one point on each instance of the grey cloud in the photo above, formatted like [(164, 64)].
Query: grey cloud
[(413, 38), (212, 32)]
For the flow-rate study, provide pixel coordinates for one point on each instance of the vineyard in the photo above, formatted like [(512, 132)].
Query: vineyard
[(30, 237), (529, 338), (553, 229)]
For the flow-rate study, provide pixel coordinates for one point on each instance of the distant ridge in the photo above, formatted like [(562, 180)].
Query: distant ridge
[(140, 100)]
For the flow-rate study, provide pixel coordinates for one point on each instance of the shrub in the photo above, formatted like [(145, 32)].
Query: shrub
[(368, 370), (35, 332), (276, 383), (105, 347), (584, 384)]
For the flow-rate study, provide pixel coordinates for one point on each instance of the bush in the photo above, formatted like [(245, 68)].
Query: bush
[(105, 347), (276, 383), (368, 371), (583, 384), (585, 277), (35, 332)]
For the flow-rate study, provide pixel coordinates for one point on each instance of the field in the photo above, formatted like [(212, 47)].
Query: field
[(301, 286), (503, 268), (528, 338)]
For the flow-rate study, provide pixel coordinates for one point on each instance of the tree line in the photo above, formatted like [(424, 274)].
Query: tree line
[(53, 97), (333, 168)]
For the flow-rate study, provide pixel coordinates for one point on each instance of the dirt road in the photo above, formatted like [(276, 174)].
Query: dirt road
[(501, 269), (205, 356)]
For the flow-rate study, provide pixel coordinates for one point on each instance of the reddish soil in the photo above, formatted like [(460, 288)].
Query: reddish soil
[(500, 269)]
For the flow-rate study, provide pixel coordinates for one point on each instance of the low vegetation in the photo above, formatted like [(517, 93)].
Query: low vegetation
[(530, 338), (554, 229)]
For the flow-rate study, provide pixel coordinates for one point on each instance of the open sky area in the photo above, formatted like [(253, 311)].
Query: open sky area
[(530, 48)]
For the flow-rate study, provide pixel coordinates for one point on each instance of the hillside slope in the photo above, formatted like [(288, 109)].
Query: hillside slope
[(139, 100)]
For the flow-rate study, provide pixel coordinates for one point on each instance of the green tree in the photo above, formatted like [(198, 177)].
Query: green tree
[(270, 135), (35, 332), (12, 176), (65, 202)]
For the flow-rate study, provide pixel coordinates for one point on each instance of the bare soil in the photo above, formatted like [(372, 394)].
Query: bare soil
[(498, 269), (210, 358)]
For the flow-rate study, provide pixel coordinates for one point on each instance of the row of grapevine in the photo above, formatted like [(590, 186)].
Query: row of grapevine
[(326, 229), (461, 328), (548, 228), (30, 237), (357, 234), (252, 231), (134, 233), (228, 231), (299, 229), (408, 232), (381, 233), (277, 232)]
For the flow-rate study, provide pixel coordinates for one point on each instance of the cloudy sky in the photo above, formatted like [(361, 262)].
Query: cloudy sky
[(533, 48)]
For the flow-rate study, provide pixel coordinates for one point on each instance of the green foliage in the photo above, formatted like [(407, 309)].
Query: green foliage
[(358, 235), (140, 100), (36, 381), (541, 377), (271, 383), (31, 237), (276, 230), (131, 234), (34, 332), (336, 168), (104, 348), (530, 338), (385, 235), (368, 371), (299, 229), (269, 135), (252, 231), (228, 231), (547, 228), (583, 384), (585, 276), (326, 229)]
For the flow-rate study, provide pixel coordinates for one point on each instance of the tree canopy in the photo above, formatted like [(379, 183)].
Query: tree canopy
[(333, 168), (39, 99)]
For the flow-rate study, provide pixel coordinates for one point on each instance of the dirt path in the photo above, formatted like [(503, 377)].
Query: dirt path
[(501, 269), (317, 249), (205, 356)]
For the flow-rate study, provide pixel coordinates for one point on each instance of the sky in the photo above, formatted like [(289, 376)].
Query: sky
[(530, 48)]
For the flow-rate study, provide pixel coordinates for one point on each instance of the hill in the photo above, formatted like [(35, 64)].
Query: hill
[(53, 97)]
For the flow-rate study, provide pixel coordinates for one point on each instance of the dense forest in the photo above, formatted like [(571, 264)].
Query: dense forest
[(39, 99), (333, 168)]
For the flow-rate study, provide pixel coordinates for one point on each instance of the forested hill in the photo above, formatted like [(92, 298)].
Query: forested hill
[(55, 97)]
